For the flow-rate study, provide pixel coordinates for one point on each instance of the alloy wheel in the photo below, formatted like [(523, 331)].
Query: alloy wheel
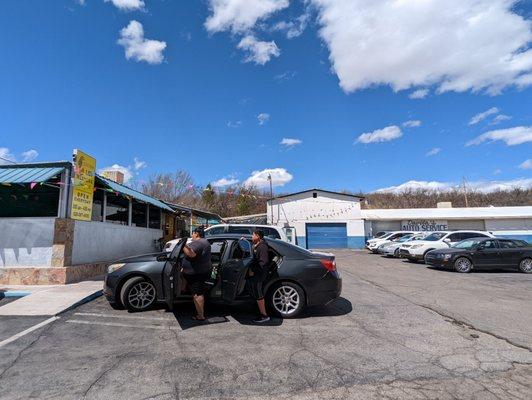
[(286, 300), (526, 265), (141, 295), (463, 265)]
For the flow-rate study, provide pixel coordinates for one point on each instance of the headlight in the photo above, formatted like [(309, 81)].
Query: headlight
[(114, 267), (416, 246), (447, 257)]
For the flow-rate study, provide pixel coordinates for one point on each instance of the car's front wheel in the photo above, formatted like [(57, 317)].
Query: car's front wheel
[(463, 265), (287, 299), (526, 265), (396, 253), (138, 294)]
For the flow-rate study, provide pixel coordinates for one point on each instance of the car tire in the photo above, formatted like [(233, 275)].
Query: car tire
[(396, 253), (425, 255), (138, 294), (525, 266), (463, 265), (286, 300)]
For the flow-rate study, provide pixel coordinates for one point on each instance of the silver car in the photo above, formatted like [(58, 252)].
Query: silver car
[(391, 248)]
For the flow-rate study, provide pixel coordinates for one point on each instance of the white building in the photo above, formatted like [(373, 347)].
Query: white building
[(322, 219)]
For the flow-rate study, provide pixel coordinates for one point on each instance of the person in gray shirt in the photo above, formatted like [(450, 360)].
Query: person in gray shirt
[(198, 252)]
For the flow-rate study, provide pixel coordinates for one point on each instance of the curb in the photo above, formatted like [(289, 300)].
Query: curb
[(84, 300)]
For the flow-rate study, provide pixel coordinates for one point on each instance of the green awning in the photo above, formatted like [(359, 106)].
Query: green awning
[(132, 193), (29, 174)]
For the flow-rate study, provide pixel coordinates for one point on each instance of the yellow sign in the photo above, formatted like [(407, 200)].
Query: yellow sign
[(83, 186)]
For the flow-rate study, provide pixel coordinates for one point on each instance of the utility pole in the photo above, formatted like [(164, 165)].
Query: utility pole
[(271, 195), (465, 191)]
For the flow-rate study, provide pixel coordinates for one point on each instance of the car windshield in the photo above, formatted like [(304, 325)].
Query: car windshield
[(387, 235), (466, 244), (435, 236), (405, 238)]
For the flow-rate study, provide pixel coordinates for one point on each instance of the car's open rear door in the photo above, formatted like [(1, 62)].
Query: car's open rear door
[(172, 275), (234, 274)]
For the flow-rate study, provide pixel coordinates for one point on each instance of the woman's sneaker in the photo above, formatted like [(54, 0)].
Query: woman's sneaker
[(262, 319)]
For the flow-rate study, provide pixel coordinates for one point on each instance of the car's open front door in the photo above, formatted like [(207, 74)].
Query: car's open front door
[(234, 270), (172, 274)]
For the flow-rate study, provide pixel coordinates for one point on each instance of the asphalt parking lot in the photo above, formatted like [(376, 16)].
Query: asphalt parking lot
[(399, 330)]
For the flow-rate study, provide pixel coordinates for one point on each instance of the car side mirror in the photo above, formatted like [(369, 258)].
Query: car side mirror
[(163, 257)]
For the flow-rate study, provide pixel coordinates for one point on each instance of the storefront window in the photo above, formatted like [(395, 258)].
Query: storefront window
[(117, 209), (97, 206), (18, 200), (139, 217), (155, 218)]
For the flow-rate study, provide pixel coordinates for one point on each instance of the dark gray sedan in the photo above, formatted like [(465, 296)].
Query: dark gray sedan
[(297, 277)]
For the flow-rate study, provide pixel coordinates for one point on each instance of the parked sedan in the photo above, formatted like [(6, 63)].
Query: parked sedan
[(297, 277), (483, 253)]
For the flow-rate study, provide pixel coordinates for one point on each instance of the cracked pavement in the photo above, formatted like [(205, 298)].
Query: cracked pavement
[(400, 331)]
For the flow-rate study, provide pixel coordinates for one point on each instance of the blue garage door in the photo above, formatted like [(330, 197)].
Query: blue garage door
[(326, 236)]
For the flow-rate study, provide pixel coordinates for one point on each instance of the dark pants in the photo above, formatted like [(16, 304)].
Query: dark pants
[(256, 283), (196, 282)]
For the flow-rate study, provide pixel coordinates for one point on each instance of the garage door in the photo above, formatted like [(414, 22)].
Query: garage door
[(326, 236)]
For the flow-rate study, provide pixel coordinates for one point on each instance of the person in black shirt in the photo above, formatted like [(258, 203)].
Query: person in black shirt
[(259, 273), (198, 252)]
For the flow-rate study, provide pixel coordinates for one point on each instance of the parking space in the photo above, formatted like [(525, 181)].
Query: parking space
[(399, 330)]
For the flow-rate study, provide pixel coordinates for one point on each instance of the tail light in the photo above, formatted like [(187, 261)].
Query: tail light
[(329, 265)]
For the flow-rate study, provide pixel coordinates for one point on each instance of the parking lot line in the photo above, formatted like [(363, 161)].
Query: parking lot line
[(122, 316), (117, 324), (26, 331)]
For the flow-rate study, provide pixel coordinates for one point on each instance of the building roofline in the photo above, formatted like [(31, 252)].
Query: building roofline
[(318, 190), (61, 164), (200, 213)]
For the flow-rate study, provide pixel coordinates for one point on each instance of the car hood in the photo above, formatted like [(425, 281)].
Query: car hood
[(140, 258)]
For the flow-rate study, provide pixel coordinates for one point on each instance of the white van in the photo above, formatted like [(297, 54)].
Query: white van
[(270, 231)]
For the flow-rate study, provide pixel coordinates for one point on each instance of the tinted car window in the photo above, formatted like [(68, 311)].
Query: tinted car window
[(510, 244), (240, 230), (468, 235), (214, 231), (488, 244), (455, 237), (435, 236), (271, 233)]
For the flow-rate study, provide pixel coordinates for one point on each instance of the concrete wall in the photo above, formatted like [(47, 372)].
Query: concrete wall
[(26, 242), (99, 241), (298, 210)]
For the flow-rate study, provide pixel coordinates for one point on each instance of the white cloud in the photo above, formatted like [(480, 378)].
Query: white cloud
[(258, 52), (433, 152), (483, 115), (498, 171), (500, 118), (6, 157), (511, 136), (30, 155), (479, 186), (419, 94), (126, 5), (226, 181), (458, 45), (137, 47), (240, 16), (381, 135), (285, 76), (527, 164), (116, 167), (263, 118), (234, 124), (293, 28), (289, 142), (139, 164), (413, 123), (280, 177)]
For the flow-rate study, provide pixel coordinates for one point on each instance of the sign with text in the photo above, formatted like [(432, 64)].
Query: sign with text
[(424, 225), (83, 186)]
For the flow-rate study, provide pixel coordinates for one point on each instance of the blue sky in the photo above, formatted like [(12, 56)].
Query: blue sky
[(156, 86)]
